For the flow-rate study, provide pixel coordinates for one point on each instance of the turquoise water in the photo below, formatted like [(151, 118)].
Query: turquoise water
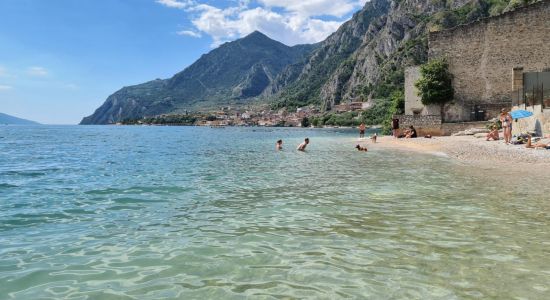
[(201, 213)]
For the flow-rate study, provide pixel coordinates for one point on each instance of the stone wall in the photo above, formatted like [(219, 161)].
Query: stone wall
[(413, 103), (482, 57), (424, 124), (431, 124)]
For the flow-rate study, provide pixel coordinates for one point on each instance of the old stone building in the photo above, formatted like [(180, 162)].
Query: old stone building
[(489, 58), (497, 62)]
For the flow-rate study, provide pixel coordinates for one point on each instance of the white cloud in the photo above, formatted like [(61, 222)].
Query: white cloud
[(37, 71), (289, 21), (174, 3), (190, 33), (337, 8), (5, 87)]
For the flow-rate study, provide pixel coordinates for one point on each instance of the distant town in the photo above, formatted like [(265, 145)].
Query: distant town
[(229, 116)]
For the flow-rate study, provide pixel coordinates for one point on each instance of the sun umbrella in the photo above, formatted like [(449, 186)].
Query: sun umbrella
[(520, 114)]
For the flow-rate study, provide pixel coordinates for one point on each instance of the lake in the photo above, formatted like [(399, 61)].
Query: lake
[(112, 212)]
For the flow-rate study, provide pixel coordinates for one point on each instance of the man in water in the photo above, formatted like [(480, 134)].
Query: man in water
[(302, 146), (362, 130), (279, 145)]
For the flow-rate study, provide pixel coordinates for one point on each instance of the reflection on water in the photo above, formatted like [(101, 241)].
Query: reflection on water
[(149, 213)]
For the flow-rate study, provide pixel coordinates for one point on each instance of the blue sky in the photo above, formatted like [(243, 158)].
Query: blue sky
[(60, 59)]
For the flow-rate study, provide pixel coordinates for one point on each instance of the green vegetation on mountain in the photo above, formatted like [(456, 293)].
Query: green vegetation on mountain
[(236, 73), (364, 60)]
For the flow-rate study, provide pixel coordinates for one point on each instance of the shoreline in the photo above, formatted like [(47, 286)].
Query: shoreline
[(472, 151)]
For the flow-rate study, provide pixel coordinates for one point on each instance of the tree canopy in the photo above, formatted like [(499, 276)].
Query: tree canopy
[(435, 84)]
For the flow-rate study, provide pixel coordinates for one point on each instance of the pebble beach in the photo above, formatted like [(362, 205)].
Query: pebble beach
[(470, 149)]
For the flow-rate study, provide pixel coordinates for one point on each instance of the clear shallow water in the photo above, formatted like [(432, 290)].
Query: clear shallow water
[(200, 213)]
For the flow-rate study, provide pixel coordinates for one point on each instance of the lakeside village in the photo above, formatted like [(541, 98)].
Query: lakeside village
[(348, 114), (475, 75)]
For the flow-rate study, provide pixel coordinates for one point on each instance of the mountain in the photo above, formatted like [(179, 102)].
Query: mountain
[(11, 120), (365, 59), (235, 73)]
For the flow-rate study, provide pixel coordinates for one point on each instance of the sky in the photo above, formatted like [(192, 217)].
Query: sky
[(60, 59)]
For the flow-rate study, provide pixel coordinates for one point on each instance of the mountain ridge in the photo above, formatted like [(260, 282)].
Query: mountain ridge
[(234, 73), (364, 60), (11, 120)]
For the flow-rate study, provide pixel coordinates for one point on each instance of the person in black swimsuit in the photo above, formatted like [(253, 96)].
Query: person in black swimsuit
[(412, 133)]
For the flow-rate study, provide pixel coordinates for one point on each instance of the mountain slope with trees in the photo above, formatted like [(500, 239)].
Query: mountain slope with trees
[(235, 73)]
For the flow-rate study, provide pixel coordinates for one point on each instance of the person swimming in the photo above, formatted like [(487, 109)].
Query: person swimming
[(279, 145), (359, 148), (302, 146)]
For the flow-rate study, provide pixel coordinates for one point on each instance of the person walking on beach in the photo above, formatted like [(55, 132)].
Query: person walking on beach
[(362, 130), (279, 145), (395, 127), (302, 146), (506, 121)]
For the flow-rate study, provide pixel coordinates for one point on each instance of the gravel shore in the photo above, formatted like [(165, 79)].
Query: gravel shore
[(470, 149)]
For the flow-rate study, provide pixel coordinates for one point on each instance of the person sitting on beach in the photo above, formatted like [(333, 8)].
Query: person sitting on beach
[(279, 145), (493, 135), (537, 145), (302, 146), (411, 133), (359, 148)]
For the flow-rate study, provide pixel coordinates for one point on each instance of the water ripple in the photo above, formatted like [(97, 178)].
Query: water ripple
[(189, 213)]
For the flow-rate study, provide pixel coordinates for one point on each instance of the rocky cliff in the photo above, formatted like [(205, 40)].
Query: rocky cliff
[(365, 59)]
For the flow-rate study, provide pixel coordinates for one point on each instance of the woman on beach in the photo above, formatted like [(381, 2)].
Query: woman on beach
[(506, 121), (537, 145), (279, 145), (493, 135), (395, 127)]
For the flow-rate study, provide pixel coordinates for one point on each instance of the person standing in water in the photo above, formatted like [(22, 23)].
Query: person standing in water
[(374, 137), (362, 130), (279, 145), (302, 146)]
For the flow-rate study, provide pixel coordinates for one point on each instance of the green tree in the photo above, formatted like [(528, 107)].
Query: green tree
[(435, 84), (305, 122)]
